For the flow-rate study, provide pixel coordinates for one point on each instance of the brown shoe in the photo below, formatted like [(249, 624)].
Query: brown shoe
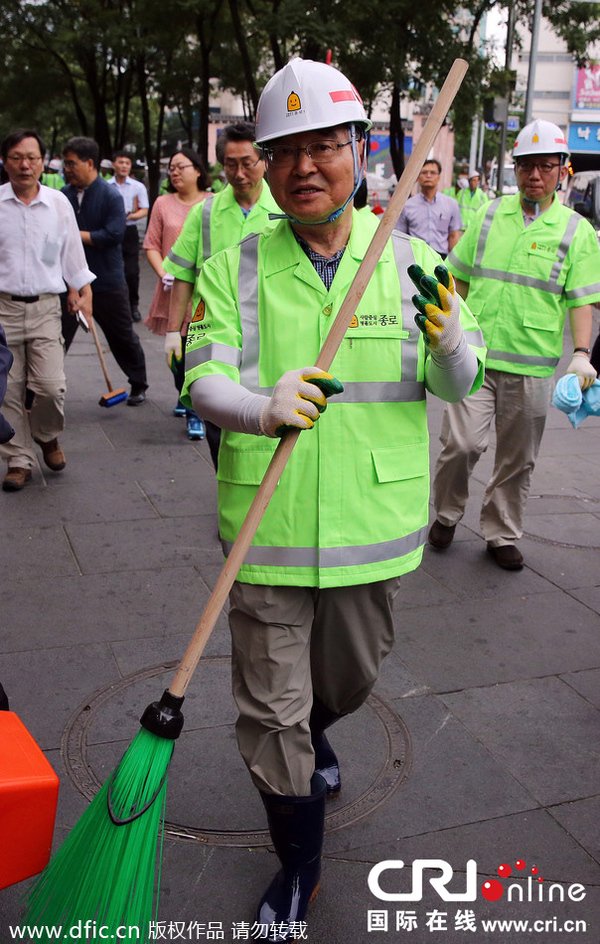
[(16, 479), (54, 457), (441, 535), (507, 556)]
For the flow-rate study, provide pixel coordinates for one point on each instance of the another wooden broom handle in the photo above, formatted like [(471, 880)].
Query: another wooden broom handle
[(334, 338)]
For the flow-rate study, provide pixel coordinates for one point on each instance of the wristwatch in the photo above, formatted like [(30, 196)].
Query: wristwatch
[(584, 350)]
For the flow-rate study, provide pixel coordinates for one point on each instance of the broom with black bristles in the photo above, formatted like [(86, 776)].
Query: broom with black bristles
[(104, 874)]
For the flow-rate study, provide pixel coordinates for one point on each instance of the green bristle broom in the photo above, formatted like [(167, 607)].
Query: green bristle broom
[(105, 872)]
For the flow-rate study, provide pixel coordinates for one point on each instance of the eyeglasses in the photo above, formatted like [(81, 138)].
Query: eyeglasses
[(179, 167), (319, 152), (69, 165), (246, 163), (19, 158), (544, 167)]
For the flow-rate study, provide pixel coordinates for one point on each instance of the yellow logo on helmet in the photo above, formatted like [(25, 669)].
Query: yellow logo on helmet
[(293, 102), (200, 311), (535, 139)]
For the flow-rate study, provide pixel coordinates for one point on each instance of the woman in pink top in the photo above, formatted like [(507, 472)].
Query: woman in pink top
[(188, 180)]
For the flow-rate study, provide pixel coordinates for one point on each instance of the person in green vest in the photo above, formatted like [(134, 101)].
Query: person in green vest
[(311, 610), (470, 198), (51, 176), (242, 207), (524, 263)]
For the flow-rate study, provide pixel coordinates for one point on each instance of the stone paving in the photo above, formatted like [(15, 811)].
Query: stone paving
[(481, 741)]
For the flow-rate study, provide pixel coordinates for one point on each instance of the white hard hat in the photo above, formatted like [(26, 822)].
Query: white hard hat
[(473, 172), (55, 164), (106, 163), (540, 137), (306, 96)]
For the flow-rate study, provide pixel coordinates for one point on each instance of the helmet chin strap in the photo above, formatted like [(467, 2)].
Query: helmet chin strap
[(359, 172)]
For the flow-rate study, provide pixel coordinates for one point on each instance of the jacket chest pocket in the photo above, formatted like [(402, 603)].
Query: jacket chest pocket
[(370, 354)]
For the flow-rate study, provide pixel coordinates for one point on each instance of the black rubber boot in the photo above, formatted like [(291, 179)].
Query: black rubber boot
[(296, 825), (326, 762)]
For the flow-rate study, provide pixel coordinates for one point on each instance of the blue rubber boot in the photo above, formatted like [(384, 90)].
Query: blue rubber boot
[(195, 427), (326, 762), (296, 825)]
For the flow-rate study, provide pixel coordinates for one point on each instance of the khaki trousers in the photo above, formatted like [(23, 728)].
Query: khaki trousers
[(33, 334), (519, 405), (289, 642)]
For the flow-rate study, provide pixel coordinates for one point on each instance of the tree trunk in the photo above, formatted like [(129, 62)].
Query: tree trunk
[(396, 133)]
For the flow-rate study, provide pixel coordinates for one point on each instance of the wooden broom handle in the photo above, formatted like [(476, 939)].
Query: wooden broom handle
[(334, 338), (100, 354)]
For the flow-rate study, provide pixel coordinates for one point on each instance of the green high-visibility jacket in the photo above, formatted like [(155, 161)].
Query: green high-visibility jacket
[(469, 202), (215, 224), (351, 506), (55, 181), (523, 279)]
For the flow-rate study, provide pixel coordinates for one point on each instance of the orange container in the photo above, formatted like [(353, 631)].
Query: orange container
[(28, 795)]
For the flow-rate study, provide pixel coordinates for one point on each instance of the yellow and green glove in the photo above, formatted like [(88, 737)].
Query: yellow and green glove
[(439, 309), (298, 399)]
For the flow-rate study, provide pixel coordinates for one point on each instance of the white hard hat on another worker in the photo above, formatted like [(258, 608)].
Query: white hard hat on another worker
[(473, 172), (306, 96), (540, 137)]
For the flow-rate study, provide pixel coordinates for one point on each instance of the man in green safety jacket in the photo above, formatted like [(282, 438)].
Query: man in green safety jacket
[(311, 611), (523, 262), (220, 221), (470, 198)]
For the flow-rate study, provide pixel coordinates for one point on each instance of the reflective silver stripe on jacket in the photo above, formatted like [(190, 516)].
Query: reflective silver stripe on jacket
[(357, 556), (223, 353), (248, 306), (551, 285), (180, 261), (206, 213), (409, 389), (404, 256), (512, 358), (583, 292)]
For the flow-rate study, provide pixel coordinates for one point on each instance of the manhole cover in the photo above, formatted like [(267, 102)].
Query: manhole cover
[(394, 767)]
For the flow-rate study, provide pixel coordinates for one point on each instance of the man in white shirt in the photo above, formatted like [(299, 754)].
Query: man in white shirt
[(135, 200), (40, 251)]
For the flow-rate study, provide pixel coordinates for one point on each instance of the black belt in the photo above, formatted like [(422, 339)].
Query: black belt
[(25, 298)]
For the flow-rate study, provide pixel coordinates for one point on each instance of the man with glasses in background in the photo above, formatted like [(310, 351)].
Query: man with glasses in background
[(431, 215), (41, 256), (524, 262), (220, 221)]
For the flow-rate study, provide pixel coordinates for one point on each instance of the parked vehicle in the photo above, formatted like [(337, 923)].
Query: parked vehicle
[(583, 196), (510, 180)]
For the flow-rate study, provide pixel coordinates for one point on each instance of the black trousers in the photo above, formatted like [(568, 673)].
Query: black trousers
[(111, 311), (131, 261)]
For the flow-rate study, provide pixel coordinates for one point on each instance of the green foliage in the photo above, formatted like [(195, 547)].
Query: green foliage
[(115, 69)]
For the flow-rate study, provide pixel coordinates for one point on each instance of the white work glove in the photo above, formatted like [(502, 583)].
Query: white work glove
[(580, 365), (167, 281), (439, 309), (298, 398), (172, 346)]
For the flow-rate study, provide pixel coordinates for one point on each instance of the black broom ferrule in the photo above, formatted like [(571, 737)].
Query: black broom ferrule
[(164, 717)]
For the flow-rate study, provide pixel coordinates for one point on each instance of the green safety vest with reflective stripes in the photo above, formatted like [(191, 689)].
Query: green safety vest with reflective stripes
[(352, 504), (523, 279), (469, 202), (215, 224)]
